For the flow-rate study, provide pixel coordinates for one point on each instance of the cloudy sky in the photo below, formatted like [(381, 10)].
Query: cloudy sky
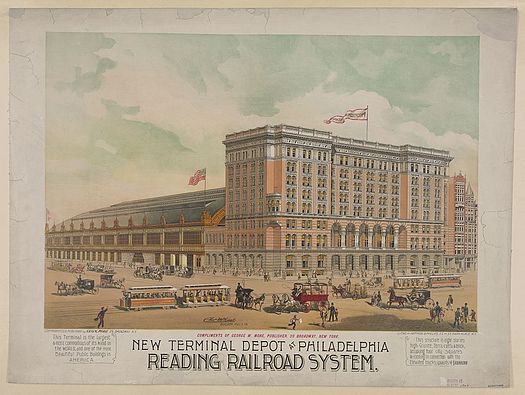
[(133, 115)]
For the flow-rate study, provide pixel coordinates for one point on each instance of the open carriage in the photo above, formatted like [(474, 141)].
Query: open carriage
[(359, 291), (108, 281), (374, 282)]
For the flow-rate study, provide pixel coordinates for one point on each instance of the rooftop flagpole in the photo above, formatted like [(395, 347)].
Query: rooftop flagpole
[(367, 115), (205, 179)]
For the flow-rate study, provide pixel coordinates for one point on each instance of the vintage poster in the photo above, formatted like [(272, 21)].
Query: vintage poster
[(261, 196)]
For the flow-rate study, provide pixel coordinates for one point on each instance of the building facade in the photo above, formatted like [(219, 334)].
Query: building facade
[(300, 201), (296, 201), (465, 216), (177, 230)]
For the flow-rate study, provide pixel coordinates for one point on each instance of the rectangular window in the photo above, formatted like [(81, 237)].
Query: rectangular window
[(153, 238), (171, 238), (137, 239), (192, 238)]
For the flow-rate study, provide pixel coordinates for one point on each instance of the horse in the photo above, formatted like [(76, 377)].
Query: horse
[(61, 287), (400, 300), (259, 301)]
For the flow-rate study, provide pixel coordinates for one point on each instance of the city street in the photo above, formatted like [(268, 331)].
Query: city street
[(79, 311)]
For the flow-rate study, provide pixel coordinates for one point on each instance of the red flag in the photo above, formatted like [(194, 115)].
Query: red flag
[(197, 177), (358, 114)]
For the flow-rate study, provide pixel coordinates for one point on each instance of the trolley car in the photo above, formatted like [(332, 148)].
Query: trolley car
[(444, 280), (138, 298), (196, 295), (410, 282)]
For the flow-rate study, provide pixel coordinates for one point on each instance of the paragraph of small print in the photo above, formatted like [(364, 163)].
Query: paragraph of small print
[(85, 347), (435, 351)]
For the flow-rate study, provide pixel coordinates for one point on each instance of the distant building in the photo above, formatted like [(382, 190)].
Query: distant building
[(296, 201), (465, 224)]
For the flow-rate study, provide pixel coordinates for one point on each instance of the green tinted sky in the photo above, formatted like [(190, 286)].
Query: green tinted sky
[(133, 115)]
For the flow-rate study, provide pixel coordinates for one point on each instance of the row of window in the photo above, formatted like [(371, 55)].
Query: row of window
[(128, 239), (245, 241), (426, 243)]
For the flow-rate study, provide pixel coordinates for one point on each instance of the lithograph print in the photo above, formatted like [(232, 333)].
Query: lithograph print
[(310, 197), (261, 182)]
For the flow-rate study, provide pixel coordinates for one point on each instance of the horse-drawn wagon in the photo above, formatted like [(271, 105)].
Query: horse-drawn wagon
[(311, 296), (81, 286), (374, 282), (420, 298), (415, 299), (150, 272), (108, 281)]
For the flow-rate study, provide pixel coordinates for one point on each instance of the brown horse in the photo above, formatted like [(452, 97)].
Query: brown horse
[(400, 300)]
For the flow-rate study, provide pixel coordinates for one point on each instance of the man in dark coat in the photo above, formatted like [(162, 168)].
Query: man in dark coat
[(332, 313), (465, 313), (100, 317), (457, 318)]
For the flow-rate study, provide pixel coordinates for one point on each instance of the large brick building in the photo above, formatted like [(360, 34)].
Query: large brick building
[(296, 201), (303, 200)]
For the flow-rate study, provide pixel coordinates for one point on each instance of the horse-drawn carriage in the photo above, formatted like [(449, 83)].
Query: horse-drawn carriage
[(374, 282), (63, 266), (420, 298), (60, 266), (311, 296), (415, 299), (359, 291), (244, 298), (151, 272), (81, 286), (342, 290), (108, 281)]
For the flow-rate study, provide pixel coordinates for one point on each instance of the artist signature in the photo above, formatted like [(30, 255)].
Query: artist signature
[(218, 320)]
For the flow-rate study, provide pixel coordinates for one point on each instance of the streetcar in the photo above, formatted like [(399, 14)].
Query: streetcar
[(410, 282), (444, 280), (138, 298), (197, 295)]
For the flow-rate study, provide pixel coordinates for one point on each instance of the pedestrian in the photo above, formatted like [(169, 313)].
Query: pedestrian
[(431, 311), (100, 317), (332, 313), (457, 318), (323, 317), (293, 322), (437, 312), (378, 299), (465, 312), (336, 314), (450, 303), (472, 315)]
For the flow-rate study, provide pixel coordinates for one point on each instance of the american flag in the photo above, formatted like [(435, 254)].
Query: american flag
[(358, 114), (197, 177)]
